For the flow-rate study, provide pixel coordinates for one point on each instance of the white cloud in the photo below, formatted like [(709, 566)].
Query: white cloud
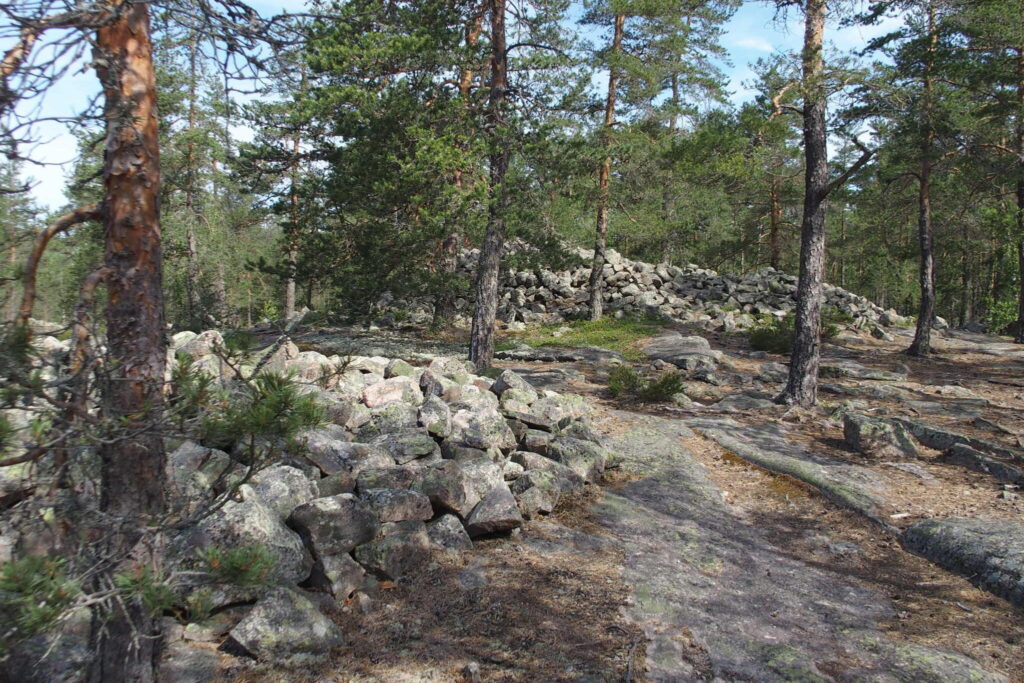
[(754, 43)]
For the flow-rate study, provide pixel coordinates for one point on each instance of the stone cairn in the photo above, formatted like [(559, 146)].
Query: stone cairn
[(690, 294), (411, 461)]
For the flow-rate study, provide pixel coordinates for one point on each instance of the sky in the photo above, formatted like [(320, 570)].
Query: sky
[(753, 33)]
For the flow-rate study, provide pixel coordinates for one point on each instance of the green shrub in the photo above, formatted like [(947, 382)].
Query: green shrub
[(624, 380), (661, 389), (776, 336)]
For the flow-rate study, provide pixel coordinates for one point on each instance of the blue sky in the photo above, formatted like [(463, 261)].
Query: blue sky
[(754, 32)]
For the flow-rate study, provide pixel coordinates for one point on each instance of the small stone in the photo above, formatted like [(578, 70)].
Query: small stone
[(393, 505), (344, 575), (496, 512), (447, 532), (405, 549), (284, 624), (335, 525)]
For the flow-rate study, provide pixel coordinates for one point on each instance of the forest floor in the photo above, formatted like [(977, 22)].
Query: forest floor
[(691, 563)]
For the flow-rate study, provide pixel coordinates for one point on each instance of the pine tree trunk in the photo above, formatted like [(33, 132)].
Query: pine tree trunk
[(1019, 336), (802, 387), (485, 307), (921, 346), (131, 467), (603, 178)]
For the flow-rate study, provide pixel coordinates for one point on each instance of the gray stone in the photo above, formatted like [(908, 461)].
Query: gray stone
[(333, 455), (495, 513), (483, 473), (436, 417), (536, 440), (399, 368), (284, 624), (396, 477), (585, 458), (396, 389), (335, 525), (510, 380), (449, 487), (284, 488), (877, 438), (481, 429), (446, 532), (965, 456), (404, 549), (742, 403), (344, 575), (989, 552), (397, 505), (247, 523), (406, 446), (184, 663), (537, 491), (568, 480)]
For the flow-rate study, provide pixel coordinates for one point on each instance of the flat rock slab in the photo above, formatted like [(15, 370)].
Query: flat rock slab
[(751, 610), (852, 486), (989, 553)]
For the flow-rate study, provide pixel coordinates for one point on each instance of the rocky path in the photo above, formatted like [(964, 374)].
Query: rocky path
[(718, 600)]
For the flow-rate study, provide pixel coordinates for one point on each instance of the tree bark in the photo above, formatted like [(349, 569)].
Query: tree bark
[(1019, 335), (802, 387), (921, 346), (603, 178), (485, 307), (132, 466)]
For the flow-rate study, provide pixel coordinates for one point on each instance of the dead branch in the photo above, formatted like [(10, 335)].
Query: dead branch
[(28, 298), (865, 156)]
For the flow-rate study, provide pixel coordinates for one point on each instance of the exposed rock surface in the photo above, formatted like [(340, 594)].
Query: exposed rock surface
[(990, 553)]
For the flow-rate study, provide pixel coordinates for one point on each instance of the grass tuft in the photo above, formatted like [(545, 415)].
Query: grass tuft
[(615, 334)]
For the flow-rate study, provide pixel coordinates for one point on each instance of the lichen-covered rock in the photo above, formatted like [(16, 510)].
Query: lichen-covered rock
[(343, 574), (202, 344), (436, 417), (406, 446), (193, 472), (484, 474), (435, 384), (456, 370), (335, 525), (403, 547), (395, 477), (510, 380), (585, 458), (395, 389), (537, 492), (449, 487), (399, 368), (184, 663), (284, 624), (481, 428), (284, 488), (877, 438), (446, 532), (240, 524), (495, 513), (568, 480), (989, 552), (397, 505), (332, 454)]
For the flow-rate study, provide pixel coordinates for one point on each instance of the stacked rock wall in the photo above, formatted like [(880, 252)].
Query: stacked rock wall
[(689, 294)]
